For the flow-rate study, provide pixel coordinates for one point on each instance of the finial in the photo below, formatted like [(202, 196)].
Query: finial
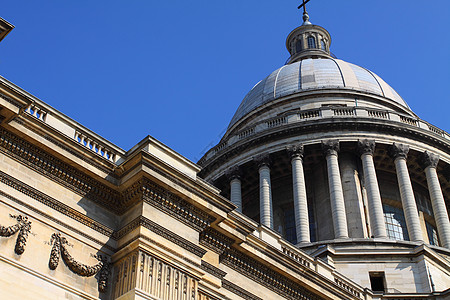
[(306, 19), (305, 13)]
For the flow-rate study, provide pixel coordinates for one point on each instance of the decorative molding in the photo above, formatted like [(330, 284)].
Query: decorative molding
[(215, 241), (212, 270), (429, 159), (53, 203), (154, 276), (55, 169), (174, 206), (238, 290), (56, 220), (233, 173), (265, 276), (161, 231), (330, 147), (263, 160), (296, 151), (59, 249), (203, 295), (366, 146), (11, 101), (398, 151), (68, 149), (23, 226)]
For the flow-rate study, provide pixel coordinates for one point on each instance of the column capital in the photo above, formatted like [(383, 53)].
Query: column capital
[(296, 150), (263, 160), (428, 159), (330, 147), (366, 147), (397, 150), (233, 173)]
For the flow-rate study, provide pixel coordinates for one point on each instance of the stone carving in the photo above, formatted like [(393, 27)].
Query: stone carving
[(23, 226), (398, 151), (215, 241), (263, 160), (59, 249), (429, 159), (233, 173), (330, 147), (296, 151), (366, 146)]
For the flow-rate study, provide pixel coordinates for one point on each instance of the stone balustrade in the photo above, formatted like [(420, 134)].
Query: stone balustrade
[(324, 113), (37, 112), (95, 146)]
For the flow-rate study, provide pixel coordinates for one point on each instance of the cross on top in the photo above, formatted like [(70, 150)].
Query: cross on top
[(303, 5)]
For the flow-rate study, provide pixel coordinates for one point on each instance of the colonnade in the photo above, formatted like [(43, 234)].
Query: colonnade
[(398, 152)]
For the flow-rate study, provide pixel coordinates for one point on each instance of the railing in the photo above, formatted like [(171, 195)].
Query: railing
[(378, 114), (344, 111), (36, 112), (341, 283), (276, 122), (297, 257), (246, 133), (95, 146), (436, 130), (408, 120), (309, 114), (220, 146), (327, 112)]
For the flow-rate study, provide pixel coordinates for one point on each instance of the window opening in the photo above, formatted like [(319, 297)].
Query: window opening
[(322, 45), (311, 42), (377, 281), (395, 223), (298, 46), (432, 234), (289, 225)]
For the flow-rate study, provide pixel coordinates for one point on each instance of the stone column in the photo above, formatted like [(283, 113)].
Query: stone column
[(331, 148), (265, 192), (299, 192), (430, 162), (376, 215), (399, 153), (234, 176)]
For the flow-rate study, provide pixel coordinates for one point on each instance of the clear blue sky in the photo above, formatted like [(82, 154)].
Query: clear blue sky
[(177, 70)]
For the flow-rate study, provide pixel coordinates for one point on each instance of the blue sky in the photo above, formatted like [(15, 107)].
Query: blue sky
[(178, 70)]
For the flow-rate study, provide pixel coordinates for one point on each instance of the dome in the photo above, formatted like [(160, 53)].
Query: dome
[(314, 74)]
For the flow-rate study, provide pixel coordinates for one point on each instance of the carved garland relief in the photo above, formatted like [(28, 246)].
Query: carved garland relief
[(59, 249), (23, 226)]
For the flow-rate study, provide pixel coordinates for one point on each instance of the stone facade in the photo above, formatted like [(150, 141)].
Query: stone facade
[(81, 218)]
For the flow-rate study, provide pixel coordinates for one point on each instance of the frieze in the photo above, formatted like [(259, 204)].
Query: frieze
[(212, 270), (215, 241), (54, 204), (265, 276), (161, 231), (68, 149), (10, 100), (23, 226), (175, 206), (238, 290), (57, 170), (59, 249), (56, 220)]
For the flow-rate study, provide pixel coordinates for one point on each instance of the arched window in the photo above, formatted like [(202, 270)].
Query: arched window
[(323, 46), (395, 223), (298, 46), (311, 42)]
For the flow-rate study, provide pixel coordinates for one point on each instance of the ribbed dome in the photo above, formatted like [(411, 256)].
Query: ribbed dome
[(311, 74)]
